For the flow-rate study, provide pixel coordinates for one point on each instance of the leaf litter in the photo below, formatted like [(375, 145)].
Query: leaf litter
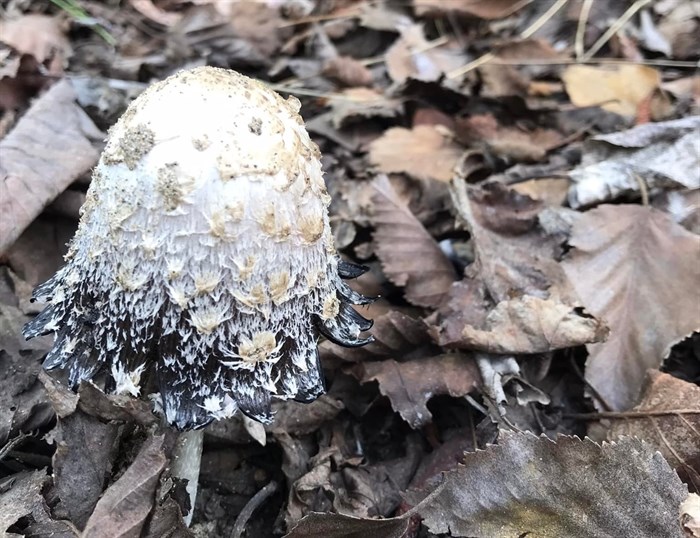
[(522, 180)]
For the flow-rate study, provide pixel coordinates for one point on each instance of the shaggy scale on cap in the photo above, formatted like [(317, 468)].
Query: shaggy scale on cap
[(204, 254)]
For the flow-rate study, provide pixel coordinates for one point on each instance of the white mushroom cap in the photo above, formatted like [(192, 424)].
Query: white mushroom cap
[(204, 252)]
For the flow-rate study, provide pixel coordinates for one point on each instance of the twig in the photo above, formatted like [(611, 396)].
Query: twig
[(642, 188), (619, 23), (631, 414), (528, 32), (251, 506), (579, 45)]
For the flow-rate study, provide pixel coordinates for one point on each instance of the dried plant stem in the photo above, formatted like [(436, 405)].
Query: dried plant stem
[(187, 458), (619, 23), (252, 505), (631, 414)]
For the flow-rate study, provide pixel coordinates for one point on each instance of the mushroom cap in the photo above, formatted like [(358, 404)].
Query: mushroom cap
[(204, 254)]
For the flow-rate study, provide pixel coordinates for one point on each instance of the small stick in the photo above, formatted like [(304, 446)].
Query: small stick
[(252, 505), (631, 414)]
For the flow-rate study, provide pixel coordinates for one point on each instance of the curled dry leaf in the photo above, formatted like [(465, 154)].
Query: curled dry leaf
[(124, 508), (690, 515), (354, 104), (409, 385), (537, 487), (48, 149), (40, 36), (348, 71), (675, 435), (532, 325), (515, 297), (620, 89), (662, 155), (412, 57), (410, 256), (636, 269), (424, 152), (19, 500), (395, 335)]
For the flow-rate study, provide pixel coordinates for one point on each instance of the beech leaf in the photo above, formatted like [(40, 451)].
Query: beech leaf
[(638, 270), (541, 488), (410, 256), (409, 385)]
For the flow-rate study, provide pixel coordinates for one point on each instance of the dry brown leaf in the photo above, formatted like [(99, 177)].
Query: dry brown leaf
[(532, 325), (124, 507), (409, 385), (530, 486), (690, 515), (18, 497), (424, 152), (410, 256), (621, 89), (47, 150), (348, 71), (154, 13), (551, 191), (40, 36), (674, 435), (482, 9), (515, 297), (636, 269), (395, 335), (411, 56), (361, 103), (508, 142)]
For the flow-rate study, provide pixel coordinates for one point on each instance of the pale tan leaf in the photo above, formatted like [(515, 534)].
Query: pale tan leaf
[(348, 71), (47, 150), (40, 36), (532, 325), (619, 89), (409, 385), (424, 152), (410, 256), (361, 103), (412, 56), (638, 270), (690, 515)]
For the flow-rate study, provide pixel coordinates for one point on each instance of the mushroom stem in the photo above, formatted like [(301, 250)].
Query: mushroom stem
[(187, 458)]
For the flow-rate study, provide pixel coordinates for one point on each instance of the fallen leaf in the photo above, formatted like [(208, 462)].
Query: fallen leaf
[(621, 89), (424, 152), (154, 13), (124, 508), (531, 325), (395, 335), (674, 435), (82, 463), (489, 9), (23, 494), (409, 385), (40, 36), (410, 256), (633, 267), (506, 142), (348, 71), (690, 515), (552, 191), (48, 149), (297, 418), (537, 487), (356, 104), (657, 155), (319, 525), (412, 57)]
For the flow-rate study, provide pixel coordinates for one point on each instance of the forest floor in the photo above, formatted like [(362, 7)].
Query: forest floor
[(521, 178)]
